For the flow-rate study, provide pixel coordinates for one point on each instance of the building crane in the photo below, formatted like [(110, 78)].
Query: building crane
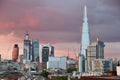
[(76, 57)]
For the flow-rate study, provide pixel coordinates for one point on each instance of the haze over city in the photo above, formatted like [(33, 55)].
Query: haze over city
[(59, 22)]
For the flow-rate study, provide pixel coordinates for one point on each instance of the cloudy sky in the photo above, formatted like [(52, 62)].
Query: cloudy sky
[(59, 22)]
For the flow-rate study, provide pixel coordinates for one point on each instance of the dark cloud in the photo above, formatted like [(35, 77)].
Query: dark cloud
[(60, 20)]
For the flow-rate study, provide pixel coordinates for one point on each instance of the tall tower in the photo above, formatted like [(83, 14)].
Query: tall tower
[(15, 52), (100, 49), (35, 49), (85, 41), (27, 48)]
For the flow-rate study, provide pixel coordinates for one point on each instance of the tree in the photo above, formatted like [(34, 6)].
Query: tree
[(60, 78), (70, 70), (45, 73)]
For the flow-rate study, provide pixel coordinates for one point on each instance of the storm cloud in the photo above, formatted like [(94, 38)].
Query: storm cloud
[(59, 21), (61, 17)]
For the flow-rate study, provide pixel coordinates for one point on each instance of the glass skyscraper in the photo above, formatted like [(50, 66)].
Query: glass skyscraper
[(85, 41), (46, 50), (35, 50), (27, 48), (45, 53)]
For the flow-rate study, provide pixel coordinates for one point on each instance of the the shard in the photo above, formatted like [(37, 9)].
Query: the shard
[(85, 41)]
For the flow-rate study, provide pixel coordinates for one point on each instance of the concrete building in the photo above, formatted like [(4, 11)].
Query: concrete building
[(57, 62), (91, 55), (118, 70), (27, 48), (15, 52), (94, 51), (71, 63), (85, 41), (102, 65), (35, 50)]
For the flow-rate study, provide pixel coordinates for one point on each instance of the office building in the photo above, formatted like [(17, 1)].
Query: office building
[(45, 52), (27, 48), (94, 51), (85, 41), (52, 50), (91, 55), (118, 70), (15, 52), (57, 62), (0, 57), (21, 58), (71, 63), (35, 50), (100, 49), (102, 65)]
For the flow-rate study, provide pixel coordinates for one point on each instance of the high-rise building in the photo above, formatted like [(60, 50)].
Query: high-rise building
[(15, 52), (27, 48), (85, 41), (95, 51), (91, 55), (52, 51), (35, 50), (100, 49), (0, 57), (46, 51)]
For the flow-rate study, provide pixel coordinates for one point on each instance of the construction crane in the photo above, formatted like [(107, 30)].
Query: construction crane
[(76, 57)]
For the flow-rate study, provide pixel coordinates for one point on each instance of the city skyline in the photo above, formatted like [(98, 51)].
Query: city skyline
[(59, 23)]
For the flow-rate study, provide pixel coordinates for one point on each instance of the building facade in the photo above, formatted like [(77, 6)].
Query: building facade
[(27, 48), (94, 51), (91, 55), (71, 63), (15, 52), (45, 52), (100, 49), (102, 65), (85, 41), (35, 50), (57, 62)]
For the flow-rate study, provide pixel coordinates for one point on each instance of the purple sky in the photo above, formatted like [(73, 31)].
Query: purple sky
[(59, 22)]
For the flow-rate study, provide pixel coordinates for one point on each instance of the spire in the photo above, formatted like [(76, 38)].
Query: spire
[(27, 36), (85, 41), (85, 14)]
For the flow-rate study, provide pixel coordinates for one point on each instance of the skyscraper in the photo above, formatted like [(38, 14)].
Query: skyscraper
[(27, 48), (91, 55), (35, 50), (46, 51), (95, 51), (100, 49), (85, 41), (52, 51), (15, 52)]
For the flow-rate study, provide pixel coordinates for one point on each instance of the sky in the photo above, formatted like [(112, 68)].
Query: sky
[(59, 22)]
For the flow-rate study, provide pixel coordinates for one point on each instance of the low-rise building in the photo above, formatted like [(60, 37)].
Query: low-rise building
[(57, 62), (102, 65)]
